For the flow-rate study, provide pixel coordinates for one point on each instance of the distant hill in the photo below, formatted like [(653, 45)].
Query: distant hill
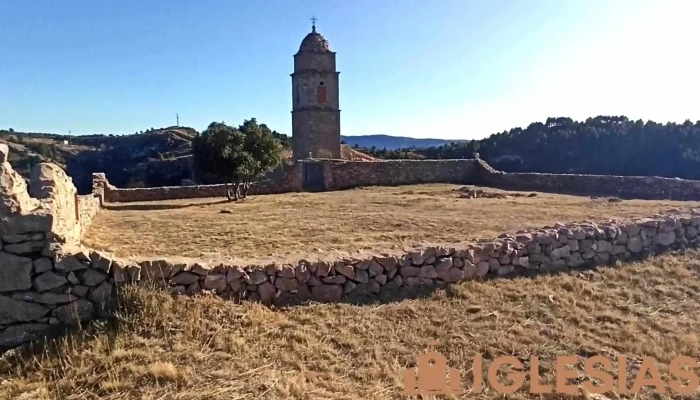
[(394, 142), (155, 157)]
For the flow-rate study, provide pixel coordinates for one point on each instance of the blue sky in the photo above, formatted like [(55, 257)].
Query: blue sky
[(455, 69)]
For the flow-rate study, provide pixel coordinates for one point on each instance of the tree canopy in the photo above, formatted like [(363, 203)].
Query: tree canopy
[(606, 145), (236, 155)]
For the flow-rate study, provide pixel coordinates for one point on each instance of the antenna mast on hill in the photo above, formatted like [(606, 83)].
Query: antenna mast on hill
[(177, 117)]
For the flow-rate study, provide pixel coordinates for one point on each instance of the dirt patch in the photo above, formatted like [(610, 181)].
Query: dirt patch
[(468, 193)]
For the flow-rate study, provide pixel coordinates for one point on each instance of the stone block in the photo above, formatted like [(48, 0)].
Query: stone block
[(15, 272)]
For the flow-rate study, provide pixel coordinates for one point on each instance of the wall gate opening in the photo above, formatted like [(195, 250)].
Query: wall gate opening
[(313, 177)]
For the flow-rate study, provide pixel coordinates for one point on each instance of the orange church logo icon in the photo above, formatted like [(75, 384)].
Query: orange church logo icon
[(433, 376)]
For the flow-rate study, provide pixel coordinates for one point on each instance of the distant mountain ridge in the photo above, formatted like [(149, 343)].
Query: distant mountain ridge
[(394, 142)]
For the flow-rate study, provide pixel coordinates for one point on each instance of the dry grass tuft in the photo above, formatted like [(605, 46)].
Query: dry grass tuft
[(205, 347), (376, 218)]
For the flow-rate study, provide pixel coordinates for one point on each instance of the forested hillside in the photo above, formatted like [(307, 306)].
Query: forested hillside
[(611, 145)]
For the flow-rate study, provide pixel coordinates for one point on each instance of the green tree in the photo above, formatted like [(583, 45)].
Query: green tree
[(237, 156)]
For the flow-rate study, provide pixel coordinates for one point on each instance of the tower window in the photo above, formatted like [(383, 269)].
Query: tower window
[(321, 95), (321, 83)]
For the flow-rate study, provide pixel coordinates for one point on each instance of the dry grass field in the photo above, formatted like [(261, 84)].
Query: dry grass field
[(164, 347), (324, 223)]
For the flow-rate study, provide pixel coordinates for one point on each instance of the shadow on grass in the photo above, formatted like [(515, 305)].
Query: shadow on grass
[(157, 206)]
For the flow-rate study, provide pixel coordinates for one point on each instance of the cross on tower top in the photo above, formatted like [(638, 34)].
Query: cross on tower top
[(313, 23)]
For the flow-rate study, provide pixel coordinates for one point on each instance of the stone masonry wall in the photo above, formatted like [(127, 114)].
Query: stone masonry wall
[(34, 279), (626, 187), (290, 182), (41, 291), (345, 174)]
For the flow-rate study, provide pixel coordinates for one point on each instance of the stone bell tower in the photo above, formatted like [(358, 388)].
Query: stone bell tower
[(315, 105)]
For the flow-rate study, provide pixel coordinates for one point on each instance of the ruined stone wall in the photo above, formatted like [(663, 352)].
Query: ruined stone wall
[(344, 175), (290, 182), (36, 286), (42, 291), (626, 187)]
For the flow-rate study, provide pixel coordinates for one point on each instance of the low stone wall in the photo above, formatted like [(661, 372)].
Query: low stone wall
[(88, 206), (625, 187), (334, 174), (347, 174), (290, 182), (40, 290)]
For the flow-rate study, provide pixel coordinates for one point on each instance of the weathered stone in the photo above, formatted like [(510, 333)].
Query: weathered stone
[(80, 290), (451, 275), (216, 282), (621, 238), (286, 284), (349, 287), (457, 262), (361, 276), (327, 293), (665, 238), (505, 270), (557, 265), (469, 269), (66, 263), (602, 258), (522, 261), (323, 268), (72, 278), (585, 245), (47, 281), (184, 278), (482, 268), (346, 270), (494, 264), (634, 244), (364, 264), (45, 298), (134, 272), (406, 272), (412, 281), (193, 288), (418, 257), (286, 271), (256, 277), (15, 272), (34, 246), (266, 291), (101, 261), (25, 237), (575, 260), (602, 246), (588, 254), (691, 232), (632, 230), (302, 272), (618, 249), (15, 335), (335, 279), (314, 281), (75, 312), (92, 277), (388, 262), (42, 265), (157, 270), (428, 271), (573, 244), (100, 295), (381, 279), (373, 287), (200, 269), (560, 252), (12, 311), (375, 268)]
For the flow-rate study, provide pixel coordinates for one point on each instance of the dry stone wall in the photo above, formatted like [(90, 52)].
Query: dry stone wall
[(626, 187), (39, 287), (40, 290), (290, 182)]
